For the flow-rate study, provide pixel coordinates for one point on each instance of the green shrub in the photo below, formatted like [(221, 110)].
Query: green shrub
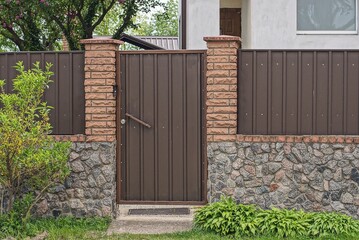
[(228, 218), (283, 222), (325, 223), (31, 161)]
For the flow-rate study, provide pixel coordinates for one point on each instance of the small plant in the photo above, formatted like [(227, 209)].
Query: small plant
[(284, 223), (324, 224), (226, 217), (31, 161)]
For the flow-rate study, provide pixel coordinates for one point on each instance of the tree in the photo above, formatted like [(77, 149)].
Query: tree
[(36, 24), (22, 24), (162, 23), (31, 161)]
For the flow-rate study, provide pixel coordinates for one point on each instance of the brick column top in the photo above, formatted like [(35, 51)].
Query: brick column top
[(100, 79), (222, 38), (101, 40), (222, 88)]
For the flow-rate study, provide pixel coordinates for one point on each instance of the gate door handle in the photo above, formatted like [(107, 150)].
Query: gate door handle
[(138, 120)]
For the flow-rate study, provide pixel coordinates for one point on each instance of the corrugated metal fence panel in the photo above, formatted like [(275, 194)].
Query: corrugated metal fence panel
[(298, 92), (66, 92), (162, 163)]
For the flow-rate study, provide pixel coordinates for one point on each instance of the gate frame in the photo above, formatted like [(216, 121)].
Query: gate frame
[(120, 135)]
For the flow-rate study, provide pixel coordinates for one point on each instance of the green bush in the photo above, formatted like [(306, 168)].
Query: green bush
[(228, 218), (283, 222), (323, 224), (31, 161)]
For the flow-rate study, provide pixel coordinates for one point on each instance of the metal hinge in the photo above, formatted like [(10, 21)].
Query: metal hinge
[(115, 88)]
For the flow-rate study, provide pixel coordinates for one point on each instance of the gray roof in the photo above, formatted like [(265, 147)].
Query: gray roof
[(168, 43)]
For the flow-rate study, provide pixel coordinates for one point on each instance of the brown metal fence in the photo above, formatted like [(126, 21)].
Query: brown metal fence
[(66, 92), (298, 92)]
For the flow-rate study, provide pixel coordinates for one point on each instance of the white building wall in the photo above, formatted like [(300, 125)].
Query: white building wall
[(272, 25), (202, 21)]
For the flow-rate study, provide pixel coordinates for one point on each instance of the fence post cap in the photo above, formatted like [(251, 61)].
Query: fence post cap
[(223, 38), (101, 40)]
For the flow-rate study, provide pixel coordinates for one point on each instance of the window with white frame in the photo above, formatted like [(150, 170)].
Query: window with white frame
[(326, 16)]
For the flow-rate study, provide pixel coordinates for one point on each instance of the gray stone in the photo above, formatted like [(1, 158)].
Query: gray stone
[(76, 166), (347, 198), (327, 174), (273, 167)]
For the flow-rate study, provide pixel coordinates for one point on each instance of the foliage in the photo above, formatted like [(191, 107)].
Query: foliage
[(228, 218), (31, 161), (162, 23), (324, 224), (283, 222), (54, 226), (22, 24), (39, 24)]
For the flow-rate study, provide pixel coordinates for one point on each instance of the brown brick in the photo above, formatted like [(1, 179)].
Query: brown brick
[(218, 117), (103, 117), (111, 138), (217, 59), (217, 88), (210, 66), (225, 51), (218, 102), (103, 131), (224, 138), (225, 95), (233, 88), (210, 138), (100, 68), (103, 89), (225, 81), (227, 66), (234, 45), (96, 110), (100, 61), (95, 96), (95, 82), (96, 124), (233, 73), (216, 131), (111, 110), (222, 123), (111, 124), (103, 103), (218, 73), (100, 54), (96, 139), (233, 59), (106, 75), (225, 109)]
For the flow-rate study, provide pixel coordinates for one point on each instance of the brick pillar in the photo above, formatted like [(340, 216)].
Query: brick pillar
[(222, 88), (100, 79)]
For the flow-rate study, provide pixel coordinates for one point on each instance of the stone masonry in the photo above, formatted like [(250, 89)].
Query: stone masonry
[(309, 176), (90, 190)]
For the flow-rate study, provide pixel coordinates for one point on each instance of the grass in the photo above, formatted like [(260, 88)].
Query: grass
[(95, 229)]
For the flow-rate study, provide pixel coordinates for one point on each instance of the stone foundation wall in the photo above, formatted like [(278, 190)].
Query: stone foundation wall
[(90, 190), (309, 176)]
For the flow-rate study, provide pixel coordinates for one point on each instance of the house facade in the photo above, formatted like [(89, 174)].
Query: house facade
[(275, 24)]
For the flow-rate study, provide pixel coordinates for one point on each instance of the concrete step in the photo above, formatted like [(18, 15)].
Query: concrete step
[(150, 222)]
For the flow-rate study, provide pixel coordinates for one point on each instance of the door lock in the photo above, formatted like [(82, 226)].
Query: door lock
[(123, 121)]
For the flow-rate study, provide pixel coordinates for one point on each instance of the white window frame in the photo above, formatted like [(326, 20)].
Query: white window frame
[(318, 32)]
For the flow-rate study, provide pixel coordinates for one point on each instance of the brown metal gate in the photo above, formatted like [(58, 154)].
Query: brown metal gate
[(161, 126)]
